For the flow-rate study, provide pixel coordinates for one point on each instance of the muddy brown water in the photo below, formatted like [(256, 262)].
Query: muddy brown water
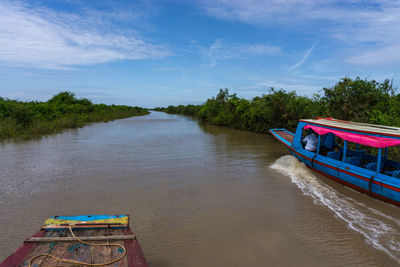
[(198, 196)]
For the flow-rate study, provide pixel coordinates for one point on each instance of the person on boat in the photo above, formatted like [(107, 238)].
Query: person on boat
[(328, 143), (310, 142)]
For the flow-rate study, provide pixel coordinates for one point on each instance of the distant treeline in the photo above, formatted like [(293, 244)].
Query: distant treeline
[(350, 99), (64, 110)]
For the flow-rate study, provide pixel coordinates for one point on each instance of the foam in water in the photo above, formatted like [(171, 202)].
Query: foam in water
[(380, 230)]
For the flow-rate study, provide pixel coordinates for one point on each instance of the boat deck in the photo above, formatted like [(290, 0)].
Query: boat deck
[(283, 135), (60, 243), (74, 250)]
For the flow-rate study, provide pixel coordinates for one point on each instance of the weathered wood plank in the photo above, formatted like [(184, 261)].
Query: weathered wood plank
[(70, 248), (58, 252), (98, 255), (70, 252), (39, 249), (84, 252), (103, 254), (116, 252), (85, 238), (59, 248), (18, 257)]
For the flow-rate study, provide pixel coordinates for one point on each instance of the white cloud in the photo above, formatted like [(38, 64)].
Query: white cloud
[(42, 38), (368, 30), (304, 58), (387, 55), (219, 51), (261, 49), (255, 11), (303, 87)]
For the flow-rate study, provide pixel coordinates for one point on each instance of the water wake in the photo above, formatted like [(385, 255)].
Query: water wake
[(380, 230)]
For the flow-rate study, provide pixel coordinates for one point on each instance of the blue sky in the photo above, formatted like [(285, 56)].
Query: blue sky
[(158, 53)]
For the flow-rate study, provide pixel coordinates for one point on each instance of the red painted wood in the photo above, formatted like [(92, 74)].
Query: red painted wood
[(285, 135), (134, 256), (18, 257), (134, 252)]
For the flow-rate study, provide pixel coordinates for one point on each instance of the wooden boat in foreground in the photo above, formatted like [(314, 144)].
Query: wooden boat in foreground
[(375, 175), (85, 240)]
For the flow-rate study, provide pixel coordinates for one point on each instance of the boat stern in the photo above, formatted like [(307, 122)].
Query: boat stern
[(87, 222)]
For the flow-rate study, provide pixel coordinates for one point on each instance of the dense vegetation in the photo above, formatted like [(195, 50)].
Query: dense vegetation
[(64, 110), (350, 99)]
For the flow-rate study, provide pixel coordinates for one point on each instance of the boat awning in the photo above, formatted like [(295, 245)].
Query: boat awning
[(381, 130), (361, 139)]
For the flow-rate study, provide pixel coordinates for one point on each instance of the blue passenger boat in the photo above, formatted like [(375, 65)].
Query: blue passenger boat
[(349, 163)]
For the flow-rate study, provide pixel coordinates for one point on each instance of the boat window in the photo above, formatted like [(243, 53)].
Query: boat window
[(329, 143), (367, 157), (333, 146), (355, 154), (383, 160)]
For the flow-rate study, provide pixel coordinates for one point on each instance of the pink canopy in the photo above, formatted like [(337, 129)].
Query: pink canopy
[(361, 139)]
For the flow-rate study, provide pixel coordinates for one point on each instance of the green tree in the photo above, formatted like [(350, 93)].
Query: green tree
[(355, 99)]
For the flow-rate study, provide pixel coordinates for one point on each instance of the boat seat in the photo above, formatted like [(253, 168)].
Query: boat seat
[(394, 165), (396, 174), (354, 160), (390, 173), (371, 166), (333, 155)]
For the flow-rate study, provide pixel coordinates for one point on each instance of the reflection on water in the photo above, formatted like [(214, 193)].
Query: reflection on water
[(198, 195)]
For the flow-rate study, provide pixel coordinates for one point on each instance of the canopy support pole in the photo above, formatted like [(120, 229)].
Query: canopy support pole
[(344, 150), (378, 167), (319, 143), (357, 147)]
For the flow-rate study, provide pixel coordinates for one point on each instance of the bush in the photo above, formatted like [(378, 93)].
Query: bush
[(64, 110), (355, 100)]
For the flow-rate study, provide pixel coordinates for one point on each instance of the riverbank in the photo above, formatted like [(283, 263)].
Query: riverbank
[(350, 99), (63, 111)]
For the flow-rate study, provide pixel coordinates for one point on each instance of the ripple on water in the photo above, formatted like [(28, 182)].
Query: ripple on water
[(380, 230)]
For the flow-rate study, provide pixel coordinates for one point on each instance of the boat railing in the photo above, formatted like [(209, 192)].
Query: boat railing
[(371, 166), (363, 160), (396, 174)]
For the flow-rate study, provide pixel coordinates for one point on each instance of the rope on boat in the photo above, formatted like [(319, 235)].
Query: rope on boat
[(371, 180), (78, 262), (312, 160)]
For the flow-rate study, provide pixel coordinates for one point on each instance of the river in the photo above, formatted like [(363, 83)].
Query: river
[(198, 195)]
